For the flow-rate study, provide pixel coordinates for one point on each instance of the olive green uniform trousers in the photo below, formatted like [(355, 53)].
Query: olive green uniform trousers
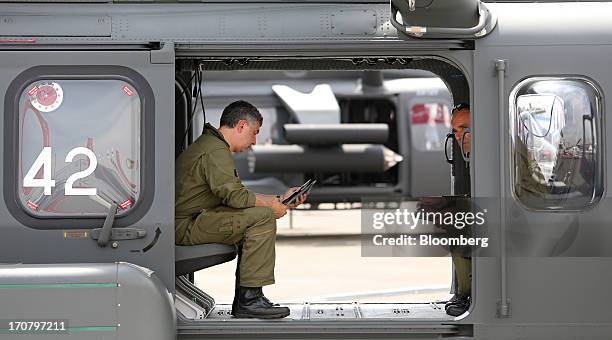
[(463, 273), (252, 228)]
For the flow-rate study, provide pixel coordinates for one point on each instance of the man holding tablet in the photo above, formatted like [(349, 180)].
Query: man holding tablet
[(213, 206), (295, 194)]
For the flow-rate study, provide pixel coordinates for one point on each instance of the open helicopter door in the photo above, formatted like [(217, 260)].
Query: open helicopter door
[(441, 18)]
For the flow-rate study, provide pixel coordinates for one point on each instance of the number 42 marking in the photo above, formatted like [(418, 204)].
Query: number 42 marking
[(46, 182)]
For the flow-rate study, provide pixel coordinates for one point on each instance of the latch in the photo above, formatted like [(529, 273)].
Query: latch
[(121, 234), (106, 234)]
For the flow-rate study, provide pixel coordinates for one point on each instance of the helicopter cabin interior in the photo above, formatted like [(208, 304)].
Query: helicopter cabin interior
[(362, 91)]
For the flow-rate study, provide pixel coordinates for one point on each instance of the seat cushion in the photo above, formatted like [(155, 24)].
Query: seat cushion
[(193, 258)]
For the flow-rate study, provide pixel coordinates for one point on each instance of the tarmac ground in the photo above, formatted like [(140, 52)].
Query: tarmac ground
[(318, 259)]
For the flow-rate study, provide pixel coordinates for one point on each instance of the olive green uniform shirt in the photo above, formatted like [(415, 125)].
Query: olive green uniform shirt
[(206, 178)]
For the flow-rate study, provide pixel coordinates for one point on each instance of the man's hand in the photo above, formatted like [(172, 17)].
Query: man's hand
[(278, 208), (432, 203), (297, 201)]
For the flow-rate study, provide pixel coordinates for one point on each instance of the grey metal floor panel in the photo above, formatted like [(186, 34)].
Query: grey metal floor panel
[(351, 311)]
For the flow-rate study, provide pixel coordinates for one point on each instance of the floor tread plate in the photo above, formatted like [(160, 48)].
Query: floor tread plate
[(351, 311)]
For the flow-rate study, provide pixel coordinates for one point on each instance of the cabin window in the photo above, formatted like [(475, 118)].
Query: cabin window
[(79, 147), (430, 122), (557, 143)]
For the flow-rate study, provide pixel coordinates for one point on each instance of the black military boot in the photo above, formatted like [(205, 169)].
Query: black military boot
[(459, 306), (251, 303), (272, 304), (268, 302), (451, 301)]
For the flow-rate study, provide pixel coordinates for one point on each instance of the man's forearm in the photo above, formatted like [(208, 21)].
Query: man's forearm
[(262, 200)]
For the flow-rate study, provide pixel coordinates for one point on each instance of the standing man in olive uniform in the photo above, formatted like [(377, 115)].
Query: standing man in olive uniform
[(461, 256), (212, 206), (460, 303)]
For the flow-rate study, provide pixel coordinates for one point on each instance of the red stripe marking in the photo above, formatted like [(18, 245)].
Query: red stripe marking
[(125, 204), (32, 205), (127, 91), (31, 40), (33, 90)]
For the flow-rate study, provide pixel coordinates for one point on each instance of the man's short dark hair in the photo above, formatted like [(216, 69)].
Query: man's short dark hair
[(239, 110), (459, 107)]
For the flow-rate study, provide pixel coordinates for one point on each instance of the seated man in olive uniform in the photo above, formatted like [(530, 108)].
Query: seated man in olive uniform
[(212, 206)]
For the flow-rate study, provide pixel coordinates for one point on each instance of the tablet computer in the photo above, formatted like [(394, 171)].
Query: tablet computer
[(305, 188)]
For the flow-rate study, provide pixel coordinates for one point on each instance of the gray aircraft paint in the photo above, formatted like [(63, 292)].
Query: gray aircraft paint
[(535, 39)]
